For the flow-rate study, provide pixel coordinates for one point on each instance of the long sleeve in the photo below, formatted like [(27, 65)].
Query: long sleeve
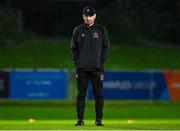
[(106, 45), (74, 47)]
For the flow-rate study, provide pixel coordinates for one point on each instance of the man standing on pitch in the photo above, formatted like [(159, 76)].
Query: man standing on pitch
[(89, 45)]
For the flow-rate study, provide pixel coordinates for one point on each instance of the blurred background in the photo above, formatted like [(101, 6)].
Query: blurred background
[(143, 34), (132, 22), (142, 70)]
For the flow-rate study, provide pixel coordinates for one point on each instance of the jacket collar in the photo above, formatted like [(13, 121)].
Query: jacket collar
[(85, 25)]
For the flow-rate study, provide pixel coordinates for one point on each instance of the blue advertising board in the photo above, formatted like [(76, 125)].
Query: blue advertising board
[(34, 84), (160, 90), (133, 85)]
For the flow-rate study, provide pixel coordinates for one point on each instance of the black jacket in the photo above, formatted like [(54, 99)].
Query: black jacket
[(90, 46)]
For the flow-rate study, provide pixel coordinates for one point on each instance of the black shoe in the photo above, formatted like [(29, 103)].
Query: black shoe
[(99, 123), (80, 123)]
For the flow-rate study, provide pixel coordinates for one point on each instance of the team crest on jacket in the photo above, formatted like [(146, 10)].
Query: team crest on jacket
[(95, 35)]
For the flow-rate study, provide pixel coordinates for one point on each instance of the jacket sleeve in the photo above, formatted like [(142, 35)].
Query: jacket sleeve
[(105, 45), (74, 47)]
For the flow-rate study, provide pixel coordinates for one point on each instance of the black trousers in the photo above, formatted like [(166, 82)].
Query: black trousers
[(82, 79)]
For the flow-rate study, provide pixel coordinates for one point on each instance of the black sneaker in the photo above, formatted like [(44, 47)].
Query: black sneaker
[(99, 123), (80, 123)]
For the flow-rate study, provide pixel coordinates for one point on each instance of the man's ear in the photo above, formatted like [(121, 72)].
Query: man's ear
[(94, 16)]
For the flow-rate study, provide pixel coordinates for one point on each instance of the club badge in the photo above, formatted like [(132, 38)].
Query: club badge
[(95, 35)]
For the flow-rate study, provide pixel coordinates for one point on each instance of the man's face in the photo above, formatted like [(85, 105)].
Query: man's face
[(89, 20)]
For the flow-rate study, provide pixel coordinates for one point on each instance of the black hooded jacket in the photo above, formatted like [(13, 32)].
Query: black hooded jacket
[(90, 47)]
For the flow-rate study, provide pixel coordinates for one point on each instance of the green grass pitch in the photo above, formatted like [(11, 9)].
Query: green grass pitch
[(44, 53), (61, 115), (137, 124)]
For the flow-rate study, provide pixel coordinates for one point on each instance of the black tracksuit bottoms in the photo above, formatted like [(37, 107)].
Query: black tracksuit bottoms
[(82, 81)]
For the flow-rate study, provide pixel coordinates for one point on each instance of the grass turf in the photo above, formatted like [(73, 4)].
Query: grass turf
[(46, 53), (89, 125), (62, 115)]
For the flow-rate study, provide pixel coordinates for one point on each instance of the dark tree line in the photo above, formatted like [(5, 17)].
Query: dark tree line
[(145, 19), (127, 21)]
